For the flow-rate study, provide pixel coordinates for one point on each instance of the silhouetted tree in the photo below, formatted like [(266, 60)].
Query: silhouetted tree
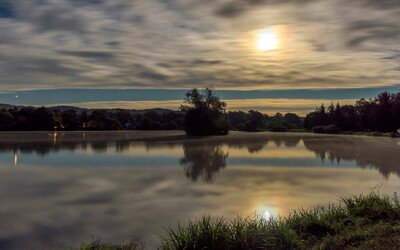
[(379, 114), (277, 123), (70, 120), (384, 112), (6, 120), (24, 118), (102, 120), (338, 118), (331, 113), (124, 118), (254, 121), (204, 113), (173, 120), (44, 119), (237, 119), (293, 120)]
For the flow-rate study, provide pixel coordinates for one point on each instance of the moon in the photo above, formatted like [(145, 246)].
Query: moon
[(267, 40)]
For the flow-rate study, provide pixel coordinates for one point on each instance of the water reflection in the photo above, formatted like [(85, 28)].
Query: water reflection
[(62, 194), (15, 158), (379, 153), (203, 161), (202, 158), (100, 147)]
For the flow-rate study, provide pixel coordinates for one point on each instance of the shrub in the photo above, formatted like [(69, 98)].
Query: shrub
[(330, 129)]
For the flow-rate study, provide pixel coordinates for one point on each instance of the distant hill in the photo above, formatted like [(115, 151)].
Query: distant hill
[(7, 106), (80, 110)]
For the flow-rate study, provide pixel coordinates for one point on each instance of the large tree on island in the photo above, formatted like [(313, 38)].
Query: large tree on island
[(204, 113)]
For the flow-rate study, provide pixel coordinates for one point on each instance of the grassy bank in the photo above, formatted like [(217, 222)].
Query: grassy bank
[(369, 221), (378, 134)]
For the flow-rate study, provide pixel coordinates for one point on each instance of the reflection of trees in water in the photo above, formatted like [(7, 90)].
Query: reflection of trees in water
[(41, 149), (255, 145), (203, 161), (204, 157), (99, 146), (288, 142), (379, 153), (254, 148), (122, 146)]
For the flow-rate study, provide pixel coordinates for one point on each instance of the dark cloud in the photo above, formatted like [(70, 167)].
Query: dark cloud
[(44, 65), (385, 4), (86, 2), (97, 199), (89, 54), (235, 8), (185, 44), (231, 9), (52, 16), (207, 62), (372, 30), (113, 44), (151, 75)]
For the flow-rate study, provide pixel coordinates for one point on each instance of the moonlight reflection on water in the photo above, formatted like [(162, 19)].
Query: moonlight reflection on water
[(81, 186)]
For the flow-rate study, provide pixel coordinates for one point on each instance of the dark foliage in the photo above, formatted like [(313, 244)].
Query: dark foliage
[(29, 118), (379, 114), (330, 129), (204, 113), (70, 120), (256, 121), (6, 120), (44, 119)]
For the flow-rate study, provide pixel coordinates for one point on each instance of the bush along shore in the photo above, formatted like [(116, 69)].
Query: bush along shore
[(370, 221)]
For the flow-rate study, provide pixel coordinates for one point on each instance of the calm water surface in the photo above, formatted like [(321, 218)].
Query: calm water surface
[(59, 189)]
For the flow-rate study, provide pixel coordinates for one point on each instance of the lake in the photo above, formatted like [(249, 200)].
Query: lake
[(59, 189)]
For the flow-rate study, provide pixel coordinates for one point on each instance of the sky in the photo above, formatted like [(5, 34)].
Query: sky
[(270, 55)]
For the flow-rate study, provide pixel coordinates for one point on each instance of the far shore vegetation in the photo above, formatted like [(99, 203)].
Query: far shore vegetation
[(370, 221), (203, 113)]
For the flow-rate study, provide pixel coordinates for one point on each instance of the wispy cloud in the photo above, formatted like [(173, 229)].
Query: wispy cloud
[(184, 44)]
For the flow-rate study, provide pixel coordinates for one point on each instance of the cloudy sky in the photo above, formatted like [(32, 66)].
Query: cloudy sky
[(316, 51)]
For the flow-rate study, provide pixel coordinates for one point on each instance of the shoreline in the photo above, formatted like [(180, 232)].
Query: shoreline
[(370, 221)]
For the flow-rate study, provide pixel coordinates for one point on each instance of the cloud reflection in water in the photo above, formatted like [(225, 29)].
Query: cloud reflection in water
[(51, 200)]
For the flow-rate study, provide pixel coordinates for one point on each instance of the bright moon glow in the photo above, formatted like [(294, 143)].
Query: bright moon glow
[(267, 216), (267, 40)]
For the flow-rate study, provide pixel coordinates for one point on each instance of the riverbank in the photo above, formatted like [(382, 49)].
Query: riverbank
[(369, 221), (374, 134)]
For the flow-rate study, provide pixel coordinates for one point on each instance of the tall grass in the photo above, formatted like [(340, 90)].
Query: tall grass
[(367, 221), (370, 221), (98, 245)]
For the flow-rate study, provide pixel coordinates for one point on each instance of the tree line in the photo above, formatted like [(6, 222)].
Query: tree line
[(256, 121), (42, 119), (205, 114), (381, 114)]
